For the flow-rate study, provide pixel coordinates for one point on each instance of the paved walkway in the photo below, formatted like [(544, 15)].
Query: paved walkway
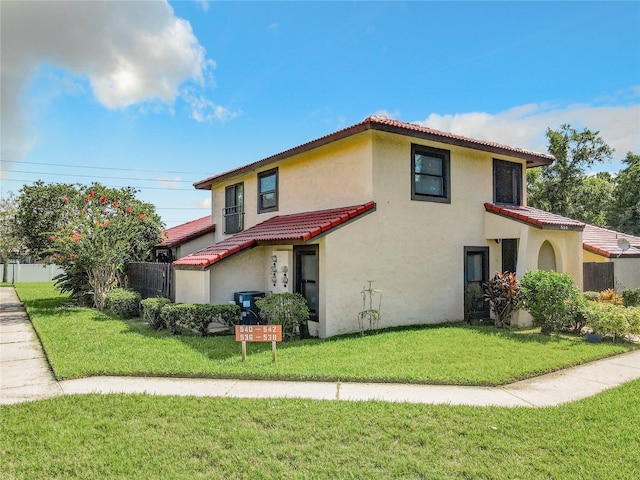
[(25, 375)]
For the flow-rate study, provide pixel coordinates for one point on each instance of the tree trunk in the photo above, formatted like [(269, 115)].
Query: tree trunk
[(5, 269), (101, 279)]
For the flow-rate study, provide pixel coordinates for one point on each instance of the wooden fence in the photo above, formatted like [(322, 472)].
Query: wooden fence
[(597, 276), (151, 279)]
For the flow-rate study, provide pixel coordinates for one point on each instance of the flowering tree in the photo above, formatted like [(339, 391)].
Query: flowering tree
[(105, 229)]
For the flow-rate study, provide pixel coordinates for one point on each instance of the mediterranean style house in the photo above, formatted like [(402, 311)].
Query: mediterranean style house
[(426, 215), (602, 245), (183, 239)]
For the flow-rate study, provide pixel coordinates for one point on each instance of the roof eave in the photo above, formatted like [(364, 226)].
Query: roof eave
[(532, 159), (186, 238)]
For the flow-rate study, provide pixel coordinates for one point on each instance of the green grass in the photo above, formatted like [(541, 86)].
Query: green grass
[(83, 342), (121, 436)]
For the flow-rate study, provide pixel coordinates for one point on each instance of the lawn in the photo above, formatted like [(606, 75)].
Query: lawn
[(139, 436), (83, 342)]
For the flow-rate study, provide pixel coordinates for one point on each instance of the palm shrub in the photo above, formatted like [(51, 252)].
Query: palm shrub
[(610, 296), (551, 298), (287, 309), (503, 294)]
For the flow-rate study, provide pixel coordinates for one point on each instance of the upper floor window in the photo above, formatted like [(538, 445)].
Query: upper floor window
[(234, 208), (431, 174), (507, 183), (268, 191)]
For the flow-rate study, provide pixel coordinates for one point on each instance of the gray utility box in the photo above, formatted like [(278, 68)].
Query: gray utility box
[(247, 303)]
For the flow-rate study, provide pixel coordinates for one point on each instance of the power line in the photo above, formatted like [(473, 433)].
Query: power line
[(183, 208), (110, 186), (110, 168), (101, 176)]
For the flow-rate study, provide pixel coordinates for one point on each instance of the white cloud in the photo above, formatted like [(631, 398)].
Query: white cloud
[(202, 109), (130, 52), (525, 126), (170, 183), (205, 203), (204, 4)]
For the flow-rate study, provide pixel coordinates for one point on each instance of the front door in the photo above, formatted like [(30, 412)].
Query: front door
[(307, 282), (509, 254), (476, 273)]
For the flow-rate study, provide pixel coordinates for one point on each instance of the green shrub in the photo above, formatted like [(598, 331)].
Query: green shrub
[(551, 298), (633, 318), (503, 294), (631, 297), (198, 316), (123, 303), (287, 309), (608, 319), (591, 296), (151, 308), (579, 319)]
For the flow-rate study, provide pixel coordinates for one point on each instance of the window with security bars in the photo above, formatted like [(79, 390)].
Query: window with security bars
[(234, 208)]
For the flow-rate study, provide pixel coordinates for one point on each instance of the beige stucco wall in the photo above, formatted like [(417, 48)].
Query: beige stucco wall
[(626, 273), (192, 286), (567, 245), (194, 245), (588, 256), (240, 273), (332, 176), (412, 250)]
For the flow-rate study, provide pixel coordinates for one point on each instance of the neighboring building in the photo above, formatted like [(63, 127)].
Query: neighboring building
[(184, 239), (601, 245), (426, 215)]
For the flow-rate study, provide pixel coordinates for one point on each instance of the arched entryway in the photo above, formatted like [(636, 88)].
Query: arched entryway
[(546, 257)]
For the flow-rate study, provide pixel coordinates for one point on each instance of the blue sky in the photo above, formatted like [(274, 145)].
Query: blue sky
[(159, 95)]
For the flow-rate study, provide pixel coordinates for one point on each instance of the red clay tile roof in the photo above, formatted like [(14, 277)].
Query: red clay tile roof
[(605, 242), (283, 230), (535, 217), (180, 234), (392, 126)]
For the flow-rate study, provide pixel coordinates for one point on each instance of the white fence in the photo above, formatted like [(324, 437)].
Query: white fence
[(27, 273)]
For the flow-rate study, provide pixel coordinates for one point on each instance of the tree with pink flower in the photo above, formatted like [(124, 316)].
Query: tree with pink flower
[(104, 230)]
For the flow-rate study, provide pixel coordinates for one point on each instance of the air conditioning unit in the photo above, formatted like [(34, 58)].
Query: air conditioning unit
[(280, 271)]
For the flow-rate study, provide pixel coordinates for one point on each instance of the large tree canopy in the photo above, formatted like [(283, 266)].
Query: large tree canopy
[(561, 187), (39, 214), (624, 214), (92, 232)]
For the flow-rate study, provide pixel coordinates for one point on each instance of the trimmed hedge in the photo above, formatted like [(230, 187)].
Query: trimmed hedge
[(123, 303), (151, 308), (198, 316)]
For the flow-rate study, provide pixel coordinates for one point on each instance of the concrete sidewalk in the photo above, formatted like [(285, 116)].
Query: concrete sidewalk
[(25, 375)]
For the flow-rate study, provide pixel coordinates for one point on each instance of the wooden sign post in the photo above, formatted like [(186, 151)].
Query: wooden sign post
[(258, 333)]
